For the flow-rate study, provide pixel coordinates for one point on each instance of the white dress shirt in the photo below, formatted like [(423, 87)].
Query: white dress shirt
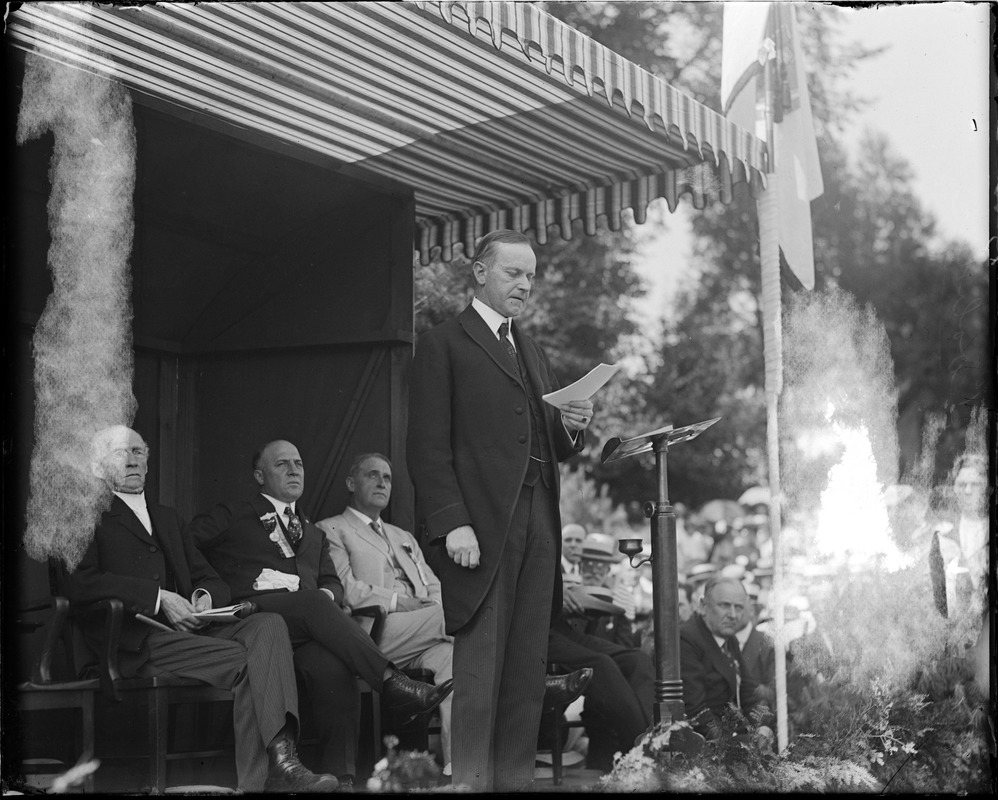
[(493, 319)]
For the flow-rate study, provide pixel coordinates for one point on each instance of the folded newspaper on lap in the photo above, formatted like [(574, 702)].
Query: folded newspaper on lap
[(585, 387), (223, 614)]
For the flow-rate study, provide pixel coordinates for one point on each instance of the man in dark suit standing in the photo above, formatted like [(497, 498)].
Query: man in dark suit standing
[(483, 452), (268, 552), (711, 664), (139, 556)]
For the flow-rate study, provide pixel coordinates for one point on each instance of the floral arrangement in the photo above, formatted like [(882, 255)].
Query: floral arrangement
[(404, 771), (275, 535), (732, 763)]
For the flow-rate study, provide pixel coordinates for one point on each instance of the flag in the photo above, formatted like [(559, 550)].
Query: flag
[(750, 38)]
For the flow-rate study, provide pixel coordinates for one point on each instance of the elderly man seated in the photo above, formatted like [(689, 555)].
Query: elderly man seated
[(618, 701), (381, 564), (139, 555)]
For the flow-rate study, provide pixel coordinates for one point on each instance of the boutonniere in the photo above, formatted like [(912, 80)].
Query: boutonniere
[(944, 528), (276, 535)]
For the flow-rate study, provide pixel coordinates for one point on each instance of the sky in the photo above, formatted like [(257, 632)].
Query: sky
[(928, 93)]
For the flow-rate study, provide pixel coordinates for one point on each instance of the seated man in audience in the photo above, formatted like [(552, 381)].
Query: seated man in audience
[(268, 552), (139, 555), (618, 701), (381, 564), (599, 554), (711, 664), (572, 536)]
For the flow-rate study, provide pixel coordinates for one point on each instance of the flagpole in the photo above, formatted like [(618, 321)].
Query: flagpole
[(769, 256)]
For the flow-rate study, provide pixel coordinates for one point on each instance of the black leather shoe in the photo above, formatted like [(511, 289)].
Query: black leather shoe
[(560, 690), (409, 698), (287, 774)]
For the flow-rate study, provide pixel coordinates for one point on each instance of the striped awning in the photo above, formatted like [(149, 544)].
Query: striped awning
[(494, 114)]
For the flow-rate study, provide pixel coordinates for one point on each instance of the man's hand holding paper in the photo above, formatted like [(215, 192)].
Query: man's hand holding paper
[(577, 414)]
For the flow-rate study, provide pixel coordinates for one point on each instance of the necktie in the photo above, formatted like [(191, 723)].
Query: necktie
[(293, 525), (508, 345), (377, 528), (731, 651)]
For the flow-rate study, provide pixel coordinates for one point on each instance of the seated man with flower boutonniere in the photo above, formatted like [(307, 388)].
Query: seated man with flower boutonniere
[(139, 556), (268, 552)]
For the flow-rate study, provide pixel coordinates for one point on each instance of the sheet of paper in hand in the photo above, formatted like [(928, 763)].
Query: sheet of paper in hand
[(585, 387), (223, 614)]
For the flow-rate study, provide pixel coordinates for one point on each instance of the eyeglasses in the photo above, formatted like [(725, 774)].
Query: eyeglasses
[(135, 452)]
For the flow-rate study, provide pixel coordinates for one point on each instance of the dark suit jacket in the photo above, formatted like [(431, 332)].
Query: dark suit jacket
[(759, 658), (233, 538), (709, 679), (469, 446), (124, 561)]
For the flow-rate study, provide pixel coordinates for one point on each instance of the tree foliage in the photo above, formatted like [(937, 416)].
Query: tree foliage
[(872, 239)]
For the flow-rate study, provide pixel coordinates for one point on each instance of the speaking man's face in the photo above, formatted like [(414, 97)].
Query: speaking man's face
[(505, 283), (280, 472)]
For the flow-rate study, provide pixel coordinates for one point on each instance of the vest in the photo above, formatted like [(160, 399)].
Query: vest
[(541, 465)]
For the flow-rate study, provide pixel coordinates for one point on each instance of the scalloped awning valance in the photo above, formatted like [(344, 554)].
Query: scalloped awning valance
[(493, 114)]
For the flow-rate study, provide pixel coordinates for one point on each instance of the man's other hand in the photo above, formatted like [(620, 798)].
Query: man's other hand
[(202, 602), (179, 611), (571, 602), (577, 415), (462, 546), (412, 603)]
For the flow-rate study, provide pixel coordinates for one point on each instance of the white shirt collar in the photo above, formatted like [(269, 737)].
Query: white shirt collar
[(279, 505), (137, 502), (492, 318), (361, 515)]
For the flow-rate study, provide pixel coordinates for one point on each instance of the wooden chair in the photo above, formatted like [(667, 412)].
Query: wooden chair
[(559, 729), (159, 695), (43, 691)]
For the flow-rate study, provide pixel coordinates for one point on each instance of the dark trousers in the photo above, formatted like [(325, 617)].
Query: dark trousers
[(312, 616), (620, 697), (500, 656), (331, 707), (251, 657)]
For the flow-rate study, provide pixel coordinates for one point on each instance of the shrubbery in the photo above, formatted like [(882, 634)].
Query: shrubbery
[(883, 700)]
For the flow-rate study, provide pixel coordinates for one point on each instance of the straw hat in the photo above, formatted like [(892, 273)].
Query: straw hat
[(600, 599), (701, 573), (600, 547)]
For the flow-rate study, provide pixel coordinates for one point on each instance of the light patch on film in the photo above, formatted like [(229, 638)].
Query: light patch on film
[(82, 346)]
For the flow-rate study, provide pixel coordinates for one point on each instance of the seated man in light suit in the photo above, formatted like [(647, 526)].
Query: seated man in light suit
[(381, 564)]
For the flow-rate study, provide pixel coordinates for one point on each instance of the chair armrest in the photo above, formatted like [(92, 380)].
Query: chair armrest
[(41, 671), (113, 611), (377, 613)]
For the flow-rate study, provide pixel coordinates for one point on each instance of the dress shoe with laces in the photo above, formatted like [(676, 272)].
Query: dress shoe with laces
[(409, 698), (287, 774), (560, 690)]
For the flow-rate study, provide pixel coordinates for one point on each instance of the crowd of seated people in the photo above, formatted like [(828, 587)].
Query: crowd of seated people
[(298, 643), (295, 649)]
